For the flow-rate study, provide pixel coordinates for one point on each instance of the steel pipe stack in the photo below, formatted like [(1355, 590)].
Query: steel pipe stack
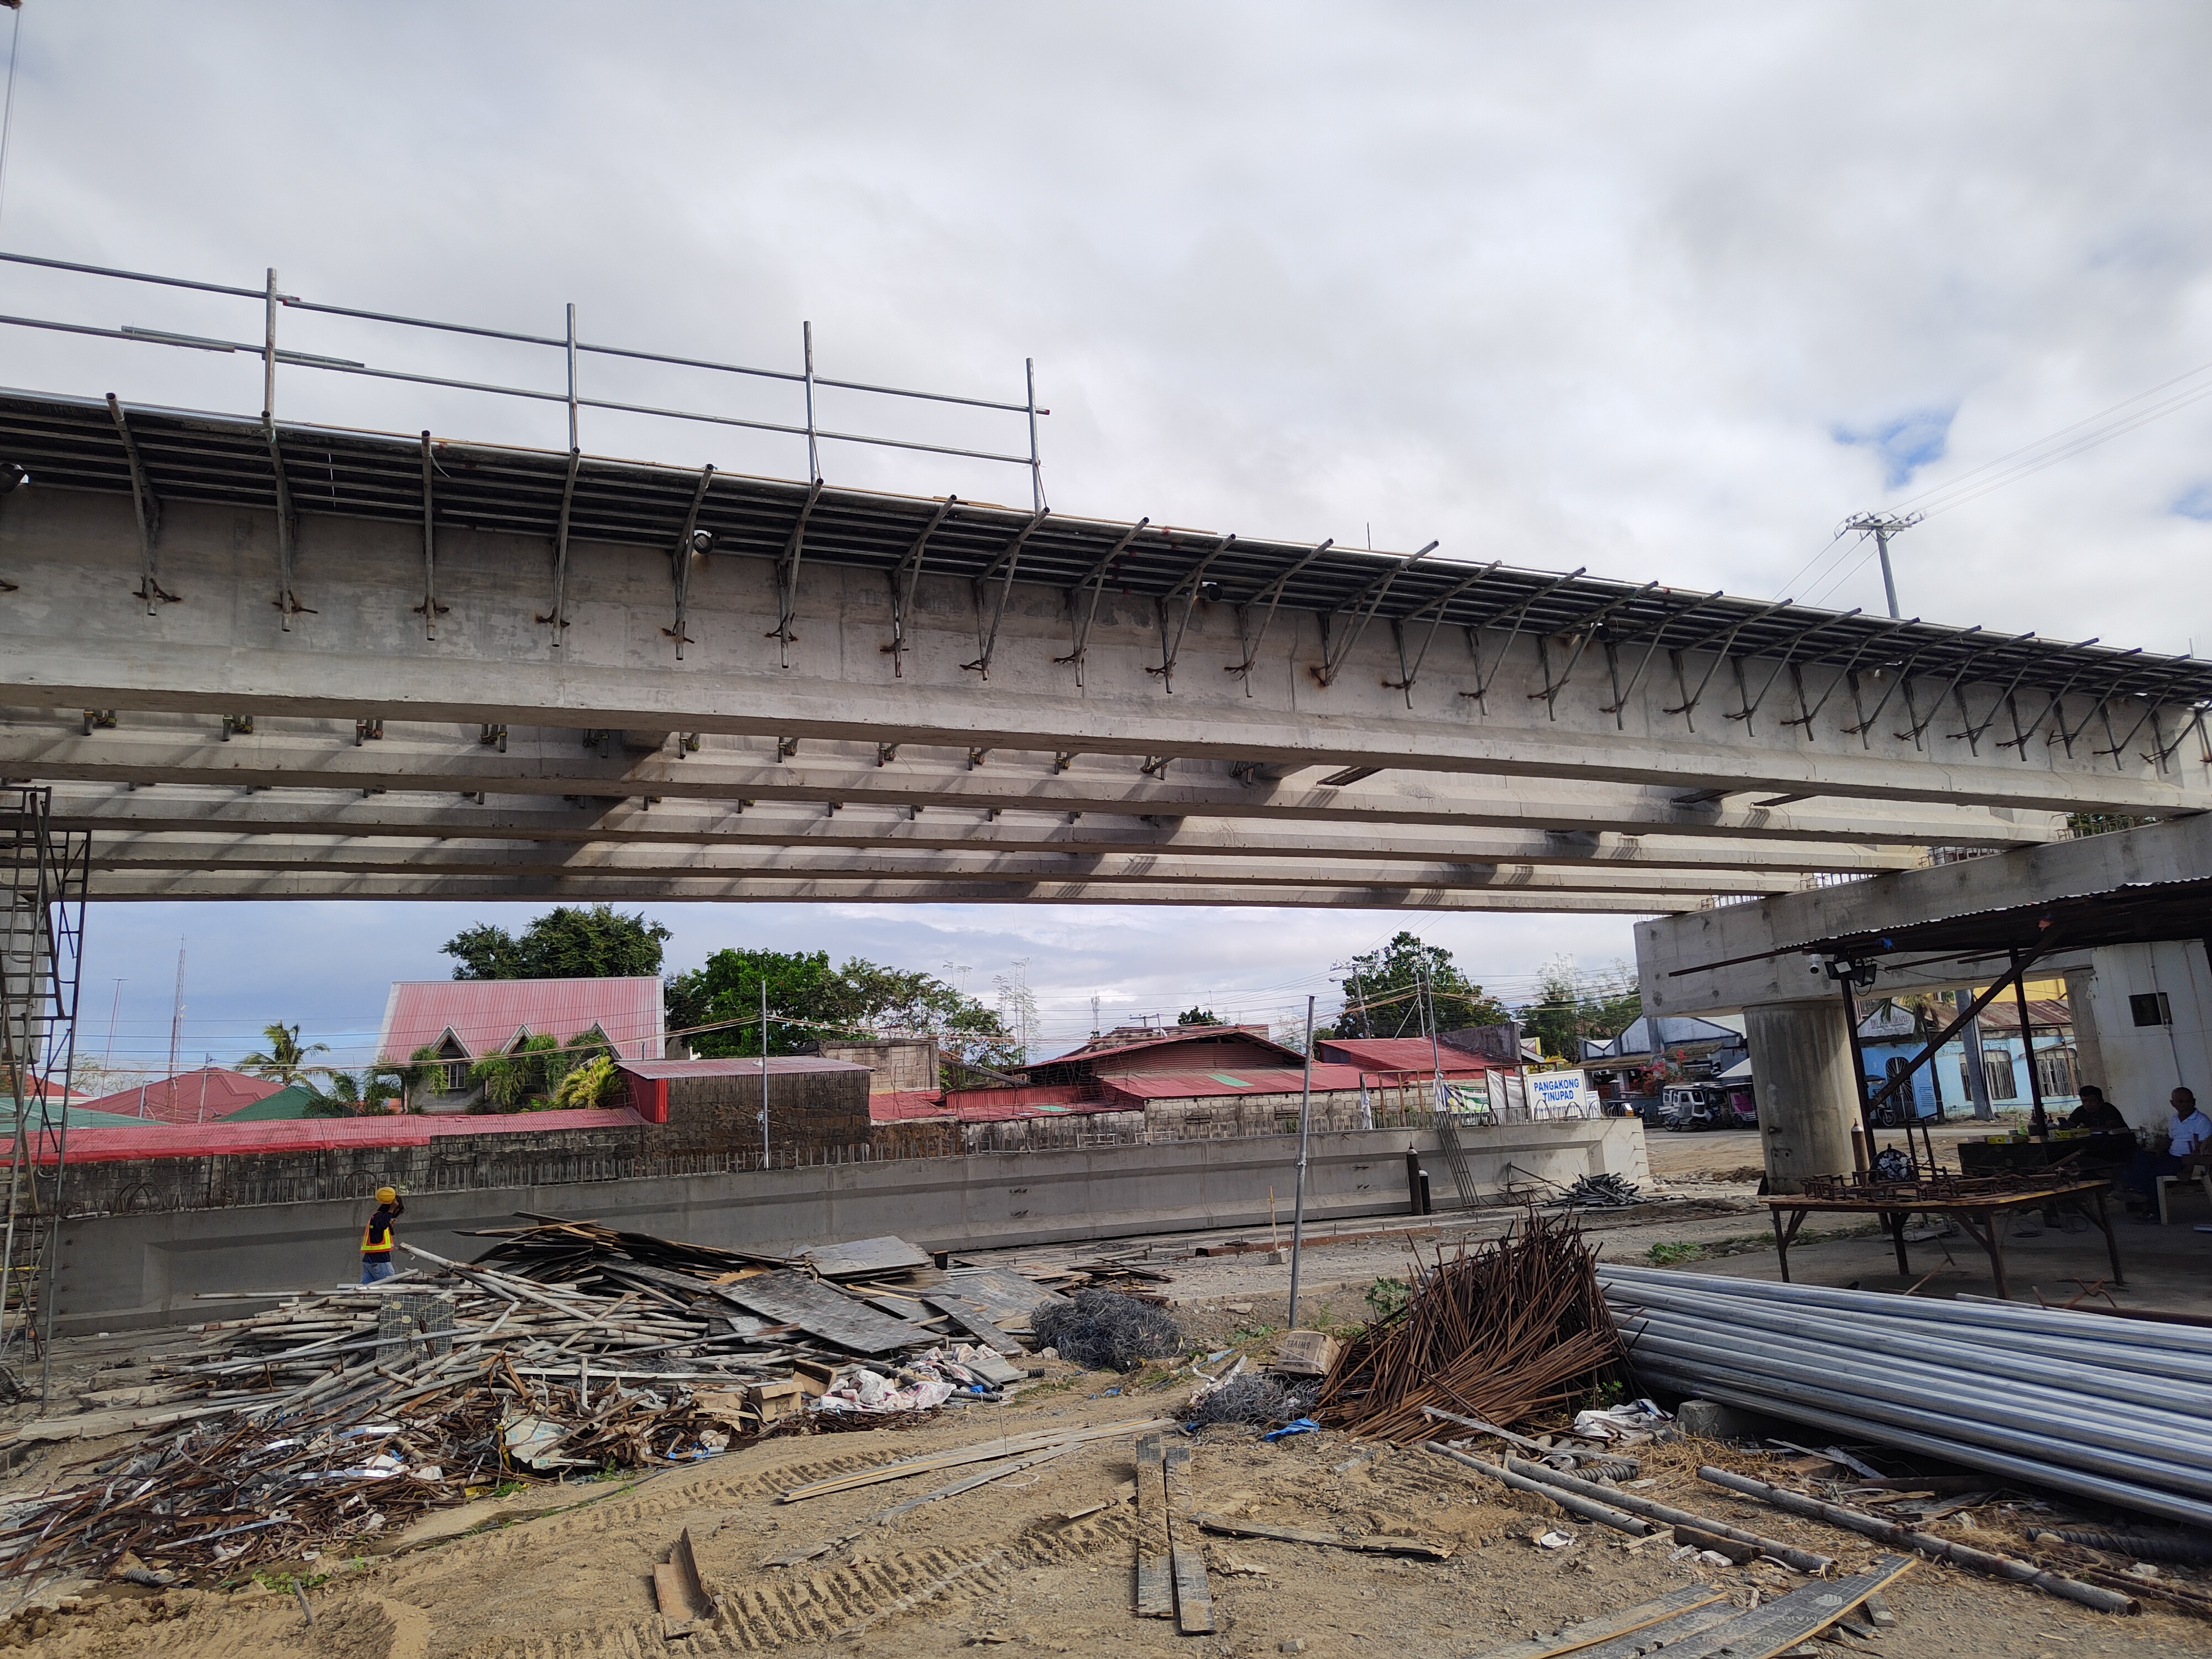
[(2106, 1409)]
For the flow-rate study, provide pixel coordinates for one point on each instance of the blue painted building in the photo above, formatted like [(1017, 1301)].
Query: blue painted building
[(1889, 1037)]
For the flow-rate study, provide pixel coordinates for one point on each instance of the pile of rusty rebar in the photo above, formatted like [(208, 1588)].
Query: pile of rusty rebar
[(1499, 1333)]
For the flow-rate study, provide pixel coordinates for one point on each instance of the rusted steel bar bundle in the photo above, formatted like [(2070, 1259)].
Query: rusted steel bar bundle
[(1513, 1327)]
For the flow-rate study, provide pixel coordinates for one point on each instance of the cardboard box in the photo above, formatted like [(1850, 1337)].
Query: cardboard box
[(1306, 1353)]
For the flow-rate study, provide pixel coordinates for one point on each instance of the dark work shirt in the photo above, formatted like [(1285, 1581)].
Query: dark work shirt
[(2096, 1115)]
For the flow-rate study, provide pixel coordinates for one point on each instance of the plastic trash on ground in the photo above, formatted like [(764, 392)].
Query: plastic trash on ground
[(1626, 1424)]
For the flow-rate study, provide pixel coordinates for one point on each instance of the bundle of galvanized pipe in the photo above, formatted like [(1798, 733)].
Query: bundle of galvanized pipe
[(2102, 1408)]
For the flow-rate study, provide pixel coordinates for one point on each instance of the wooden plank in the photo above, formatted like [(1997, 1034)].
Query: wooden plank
[(981, 1452), (862, 1258), (974, 1318), (1780, 1624), (1371, 1544), (1194, 1596), (1155, 1591), (1009, 1295), (1605, 1626), (794, 1298)]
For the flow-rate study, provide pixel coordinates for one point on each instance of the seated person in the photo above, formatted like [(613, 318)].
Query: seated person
[(2188, 1135), (2096, 1112)]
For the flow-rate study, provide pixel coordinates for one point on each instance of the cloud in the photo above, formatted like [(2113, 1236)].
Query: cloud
[(1905, 444), (1592, 285), (2196, 501)]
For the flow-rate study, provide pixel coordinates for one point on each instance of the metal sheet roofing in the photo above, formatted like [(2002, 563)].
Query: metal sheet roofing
[(487, 1016), (1407, 1055), (778, 1065), (1195, 1085), (207, 1094)]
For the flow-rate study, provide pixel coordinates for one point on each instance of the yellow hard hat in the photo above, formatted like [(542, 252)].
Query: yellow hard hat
[(385, 1194)]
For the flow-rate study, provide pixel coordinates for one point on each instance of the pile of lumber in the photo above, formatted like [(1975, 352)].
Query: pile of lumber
[(331, 1419), (1500, 1332)]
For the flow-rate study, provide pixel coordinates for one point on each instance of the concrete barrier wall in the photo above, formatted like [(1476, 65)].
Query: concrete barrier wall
[(119, 1271)]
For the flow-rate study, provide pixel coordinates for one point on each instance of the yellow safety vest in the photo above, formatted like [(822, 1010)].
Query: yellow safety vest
[(368, 1244)]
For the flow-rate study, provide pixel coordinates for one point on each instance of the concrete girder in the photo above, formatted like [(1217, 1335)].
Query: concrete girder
[(527, 819), (139, 854), (421, 757), (71, 639), (578, 889)]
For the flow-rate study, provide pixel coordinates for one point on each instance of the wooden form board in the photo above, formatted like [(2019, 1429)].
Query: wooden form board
[(864, 1258), (794, 1298), (1194, 1596), (973, 1318), (1009, 1298), (1764, 1631), (1155, 1592), (1579, 1638)]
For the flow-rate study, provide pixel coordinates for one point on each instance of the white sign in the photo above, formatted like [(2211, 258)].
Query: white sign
[(1559, 1094)]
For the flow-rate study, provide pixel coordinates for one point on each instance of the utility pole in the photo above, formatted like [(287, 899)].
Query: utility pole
[(1881, 527), (1299, 1205)]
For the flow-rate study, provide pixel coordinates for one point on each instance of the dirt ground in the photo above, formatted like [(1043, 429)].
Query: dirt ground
[(1044, 1560)]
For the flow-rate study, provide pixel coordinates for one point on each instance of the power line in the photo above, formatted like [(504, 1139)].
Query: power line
[(8, 109)]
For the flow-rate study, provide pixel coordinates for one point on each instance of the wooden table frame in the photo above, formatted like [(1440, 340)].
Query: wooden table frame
[(1977, 1214)]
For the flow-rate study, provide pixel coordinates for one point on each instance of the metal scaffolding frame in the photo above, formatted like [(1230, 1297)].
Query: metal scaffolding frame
[(41, 964)]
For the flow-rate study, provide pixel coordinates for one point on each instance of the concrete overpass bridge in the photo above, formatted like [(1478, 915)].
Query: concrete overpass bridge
[(260, 660)]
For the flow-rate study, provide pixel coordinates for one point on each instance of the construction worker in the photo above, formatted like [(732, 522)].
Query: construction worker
[(376, 1237)]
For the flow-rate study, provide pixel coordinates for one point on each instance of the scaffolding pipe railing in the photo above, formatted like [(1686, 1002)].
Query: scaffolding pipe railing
[(273, 301)]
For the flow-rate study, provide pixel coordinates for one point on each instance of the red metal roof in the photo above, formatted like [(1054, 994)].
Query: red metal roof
[(907, 1105), (778, 1065), (104, 1145), (1180, 1085), (206, 1096), (1169, 1037), (1407, 1055), (487, 1016)]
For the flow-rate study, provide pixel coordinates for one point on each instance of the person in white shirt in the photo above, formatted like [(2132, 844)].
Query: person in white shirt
[(2190, 1135)]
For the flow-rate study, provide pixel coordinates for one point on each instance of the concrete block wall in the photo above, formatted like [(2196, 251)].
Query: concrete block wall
[(806, 1111), (127, 1270)]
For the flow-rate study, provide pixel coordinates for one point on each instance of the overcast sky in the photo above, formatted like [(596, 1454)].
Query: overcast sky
[(1663, 290)]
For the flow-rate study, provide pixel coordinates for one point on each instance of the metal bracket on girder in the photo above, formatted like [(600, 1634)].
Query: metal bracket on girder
[(1195, 581), (1973, 734), (1155, 766), (98, 719), (1009, 559), (287, 528), (1272, 592), (1518, 612), (1092, 585), (491, 736), (147, 506), (1062, 759), (1904, 673), (370, 729), (1409, 673), (2022, 735), (1750, 704), (786, 569), (237, 724), (886, 753), (1958, 678), (429, 609), (1846, 676), (903, 584), (976, 757), (1657, 630), (558, 616), (1333, 659), (681, 558), (1586, 626), (1688, 708)]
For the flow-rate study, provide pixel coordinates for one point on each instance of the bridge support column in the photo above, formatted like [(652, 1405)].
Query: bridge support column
[(1801, 1055)]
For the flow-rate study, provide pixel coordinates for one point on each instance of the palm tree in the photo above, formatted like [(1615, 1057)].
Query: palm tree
[(286, 1059)]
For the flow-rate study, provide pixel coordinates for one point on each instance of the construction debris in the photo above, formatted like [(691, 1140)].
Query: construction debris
[(1363, 1545), (1942, 1549), (1599, 1191), (332, 1419), (1248, 1397), (1107, 1330), (1504, 1330)]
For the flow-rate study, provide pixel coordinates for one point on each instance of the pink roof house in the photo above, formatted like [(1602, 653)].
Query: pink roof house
[(463, 1020)]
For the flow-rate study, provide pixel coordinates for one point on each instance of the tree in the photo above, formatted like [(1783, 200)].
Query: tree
[(593, 942), (338, 1096), (1197, 1016), (1390, 992), (810, 1000), (1570, 1007), (285, 1059)]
